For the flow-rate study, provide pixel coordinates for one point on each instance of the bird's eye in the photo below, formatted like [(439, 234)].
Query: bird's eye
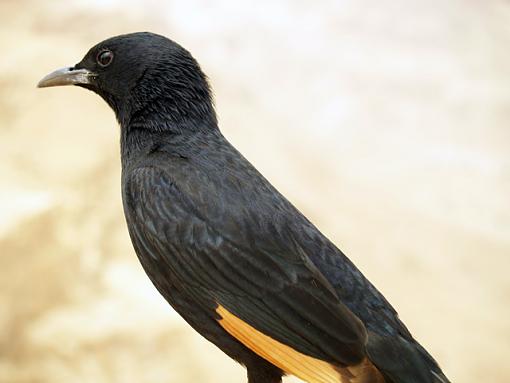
[(104, 58)]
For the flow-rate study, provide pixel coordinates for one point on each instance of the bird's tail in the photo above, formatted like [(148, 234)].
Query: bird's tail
[(403, 361), (439, 377)]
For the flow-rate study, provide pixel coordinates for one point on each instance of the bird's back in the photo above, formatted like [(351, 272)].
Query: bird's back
[(236, 198)]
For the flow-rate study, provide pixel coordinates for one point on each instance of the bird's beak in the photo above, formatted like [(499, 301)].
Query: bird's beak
[(66, 76)]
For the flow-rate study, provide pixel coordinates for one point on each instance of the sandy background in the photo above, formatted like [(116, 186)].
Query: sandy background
[(386, 122)]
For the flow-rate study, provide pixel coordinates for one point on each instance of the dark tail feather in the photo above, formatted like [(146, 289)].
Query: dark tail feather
[(439, 377), (403, 361)]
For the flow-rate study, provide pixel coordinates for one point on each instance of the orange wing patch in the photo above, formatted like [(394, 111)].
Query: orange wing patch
[(305, 367)]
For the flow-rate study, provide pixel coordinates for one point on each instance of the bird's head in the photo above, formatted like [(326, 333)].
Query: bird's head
[(146, 78)]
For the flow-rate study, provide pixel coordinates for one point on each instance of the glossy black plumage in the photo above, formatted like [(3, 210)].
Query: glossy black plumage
[(211, 231)]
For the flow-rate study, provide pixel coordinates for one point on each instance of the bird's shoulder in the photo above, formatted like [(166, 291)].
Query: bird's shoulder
[(218, 185)]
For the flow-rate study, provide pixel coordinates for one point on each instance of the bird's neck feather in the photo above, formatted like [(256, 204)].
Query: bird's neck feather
[(160, 122), (162, 105)]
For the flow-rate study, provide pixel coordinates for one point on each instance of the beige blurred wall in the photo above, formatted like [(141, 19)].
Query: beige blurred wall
[(386, 122)]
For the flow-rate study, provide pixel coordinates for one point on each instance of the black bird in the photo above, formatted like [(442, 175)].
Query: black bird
[(232, 255)]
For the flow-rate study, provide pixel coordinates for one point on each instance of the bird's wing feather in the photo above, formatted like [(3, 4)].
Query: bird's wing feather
[(279, 294)]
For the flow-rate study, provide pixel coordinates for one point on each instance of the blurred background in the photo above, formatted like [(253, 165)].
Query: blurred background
[(385, 121)]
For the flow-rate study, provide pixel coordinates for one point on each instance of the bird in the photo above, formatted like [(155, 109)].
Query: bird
[(238, 261)]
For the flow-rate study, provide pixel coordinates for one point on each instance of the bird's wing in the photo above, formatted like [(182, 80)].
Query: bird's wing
[(273, 301)]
